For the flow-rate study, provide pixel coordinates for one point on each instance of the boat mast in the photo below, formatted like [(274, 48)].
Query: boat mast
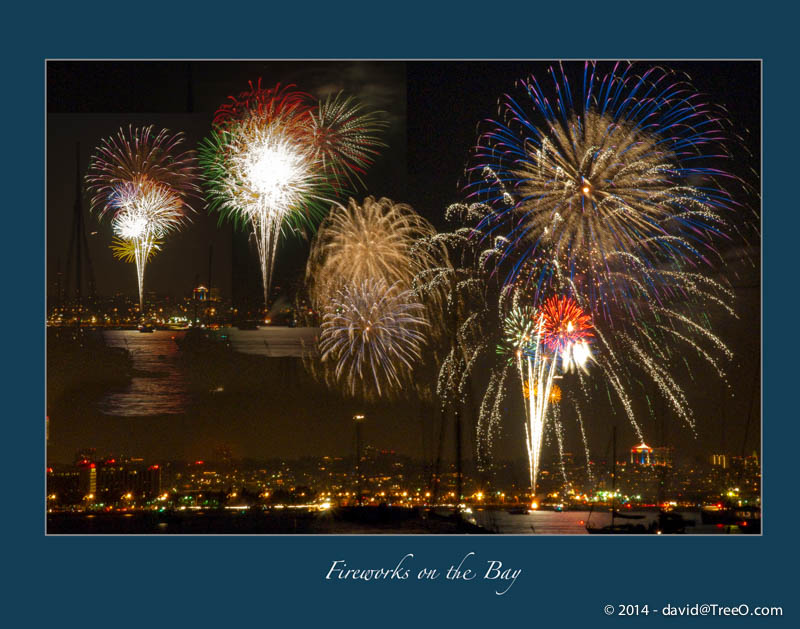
[(613, 474)]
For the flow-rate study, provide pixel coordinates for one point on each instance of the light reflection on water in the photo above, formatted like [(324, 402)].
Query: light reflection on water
[(158, 385), (545, 522), (541, 522)]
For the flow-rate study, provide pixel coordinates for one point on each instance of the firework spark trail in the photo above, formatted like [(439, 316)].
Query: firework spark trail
[(139, 180), (669, 388), (698, 328), (691, 283), (452, 283), (608, 365), (559, 430), (529, 341), (489, 417), (676, 283), (708, 357), (472, 351), (539, 378), (444, 382), (456, 369), (585, 442)]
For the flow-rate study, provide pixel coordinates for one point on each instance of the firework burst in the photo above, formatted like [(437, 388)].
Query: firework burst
[(345, 137), (535, 340), (371, 337), (371, 240), (260, 167), (613, 197), (145, 186), (566, 330), (127, 250), (601, 185), (274, 159), (555, 392), (519, 330)]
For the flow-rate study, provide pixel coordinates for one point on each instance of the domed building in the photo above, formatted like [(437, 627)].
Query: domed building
[(642, 454)]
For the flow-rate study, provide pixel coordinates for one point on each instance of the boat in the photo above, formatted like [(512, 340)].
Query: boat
[(177, 327), (621, 528), (747, 518), (146, 328), (670, 523), (247, 325), (518, 511), (625, 528), (202, 340)]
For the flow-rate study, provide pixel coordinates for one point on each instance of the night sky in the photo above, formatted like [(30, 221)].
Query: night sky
[(433, 110)]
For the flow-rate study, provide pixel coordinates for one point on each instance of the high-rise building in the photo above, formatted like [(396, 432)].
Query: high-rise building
[(117, 479), (87, 483), (662, 455)]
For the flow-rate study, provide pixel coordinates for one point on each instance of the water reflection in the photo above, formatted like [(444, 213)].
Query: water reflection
[(159, 385), (272, 341), (162, 384)]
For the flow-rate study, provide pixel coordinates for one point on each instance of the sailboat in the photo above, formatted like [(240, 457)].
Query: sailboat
[(625, 528)]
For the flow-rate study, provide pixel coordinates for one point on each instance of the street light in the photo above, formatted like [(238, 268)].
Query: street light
[(358, 419)]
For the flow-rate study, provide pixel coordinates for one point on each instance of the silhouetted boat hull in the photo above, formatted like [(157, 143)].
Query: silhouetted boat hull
[(619, 529)]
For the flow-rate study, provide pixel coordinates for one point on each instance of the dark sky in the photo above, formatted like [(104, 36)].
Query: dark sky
[(433, 109)]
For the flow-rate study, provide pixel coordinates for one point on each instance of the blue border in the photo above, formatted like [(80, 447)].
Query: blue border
[(222, 581)]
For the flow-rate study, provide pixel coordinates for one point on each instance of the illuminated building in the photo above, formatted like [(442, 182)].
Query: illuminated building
[(720, 460), (87, 483), (662, 455), (642, 454), (116, 479), (201, 293), (65, 485)]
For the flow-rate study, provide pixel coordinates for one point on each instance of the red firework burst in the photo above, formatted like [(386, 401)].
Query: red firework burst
[(276, 103), (564, 323)]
